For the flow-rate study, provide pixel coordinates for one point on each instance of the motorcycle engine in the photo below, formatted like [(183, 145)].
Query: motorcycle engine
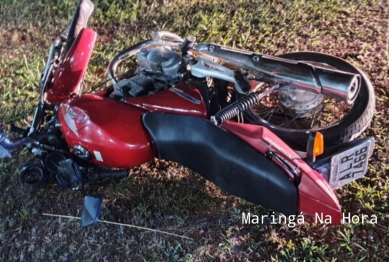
[(159, 68), (160, 61)]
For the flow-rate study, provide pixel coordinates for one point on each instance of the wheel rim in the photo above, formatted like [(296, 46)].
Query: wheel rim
[(273, 112)]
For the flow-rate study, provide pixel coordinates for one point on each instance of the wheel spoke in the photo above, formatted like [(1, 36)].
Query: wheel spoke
[(324, 115)]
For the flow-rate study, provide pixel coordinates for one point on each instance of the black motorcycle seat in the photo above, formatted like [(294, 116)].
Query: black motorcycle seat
[(222, 158)]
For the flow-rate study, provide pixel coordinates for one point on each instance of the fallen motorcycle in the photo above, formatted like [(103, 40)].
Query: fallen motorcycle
[(259, 127)]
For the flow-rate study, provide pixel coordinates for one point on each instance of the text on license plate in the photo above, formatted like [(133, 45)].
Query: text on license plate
[(350, 165)]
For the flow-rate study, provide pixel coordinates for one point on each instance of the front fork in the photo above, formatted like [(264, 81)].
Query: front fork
[(38, 115)]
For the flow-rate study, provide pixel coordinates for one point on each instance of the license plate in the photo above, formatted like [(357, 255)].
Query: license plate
[(351, 164)]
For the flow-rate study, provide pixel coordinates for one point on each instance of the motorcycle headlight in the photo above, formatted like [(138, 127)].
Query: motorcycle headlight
[(82, 153)]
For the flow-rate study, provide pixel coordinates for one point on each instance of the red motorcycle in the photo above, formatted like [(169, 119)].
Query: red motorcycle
[(259, 127)]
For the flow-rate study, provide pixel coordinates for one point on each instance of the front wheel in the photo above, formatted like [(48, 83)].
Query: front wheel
[(295, 113)]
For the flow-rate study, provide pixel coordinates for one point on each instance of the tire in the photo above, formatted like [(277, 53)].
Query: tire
[(32, 176), (351, 125)]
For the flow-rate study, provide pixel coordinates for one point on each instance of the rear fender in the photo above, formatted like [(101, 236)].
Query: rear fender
[(316, 197)]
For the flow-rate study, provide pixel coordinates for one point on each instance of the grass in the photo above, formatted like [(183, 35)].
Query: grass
[(166, 196)]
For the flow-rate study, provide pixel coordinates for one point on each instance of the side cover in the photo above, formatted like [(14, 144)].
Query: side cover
[(222, 158)]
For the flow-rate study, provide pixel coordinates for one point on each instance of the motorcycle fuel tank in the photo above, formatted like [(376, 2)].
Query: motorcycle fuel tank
[(112, 132)]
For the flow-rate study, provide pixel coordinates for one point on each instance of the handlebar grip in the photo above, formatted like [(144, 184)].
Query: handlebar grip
[(85, 8), (79, 21)]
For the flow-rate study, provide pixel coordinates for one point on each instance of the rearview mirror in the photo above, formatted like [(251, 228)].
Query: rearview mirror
[(4, 152)]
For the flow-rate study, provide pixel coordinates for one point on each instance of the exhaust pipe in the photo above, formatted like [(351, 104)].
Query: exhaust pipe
[(319, 79), (329, 82)]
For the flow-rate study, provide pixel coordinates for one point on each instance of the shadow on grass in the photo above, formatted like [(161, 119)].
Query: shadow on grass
[(159, 195)]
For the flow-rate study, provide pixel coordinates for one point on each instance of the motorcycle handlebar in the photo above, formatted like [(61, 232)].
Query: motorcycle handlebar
[(6, 145)]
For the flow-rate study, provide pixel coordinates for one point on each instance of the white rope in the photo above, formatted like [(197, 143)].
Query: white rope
[(120, 224)]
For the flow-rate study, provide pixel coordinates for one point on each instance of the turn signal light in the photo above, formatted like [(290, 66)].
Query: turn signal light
[(318, 144)]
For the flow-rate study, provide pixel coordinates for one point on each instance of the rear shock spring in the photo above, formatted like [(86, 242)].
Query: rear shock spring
[(240, 105)]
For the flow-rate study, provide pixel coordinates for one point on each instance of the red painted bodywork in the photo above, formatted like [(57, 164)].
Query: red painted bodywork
[(114, 130), (316, 197), (171, 102), (68, 77), (108, 129)]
